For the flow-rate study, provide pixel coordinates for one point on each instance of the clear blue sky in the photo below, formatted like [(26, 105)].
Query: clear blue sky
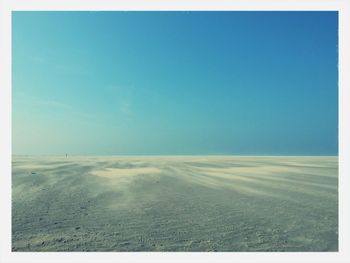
[(175, 83)]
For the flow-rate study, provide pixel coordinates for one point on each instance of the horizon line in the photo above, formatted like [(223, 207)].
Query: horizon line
[(159, 155)]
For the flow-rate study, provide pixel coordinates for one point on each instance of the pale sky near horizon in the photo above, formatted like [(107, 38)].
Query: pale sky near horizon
[(175, 83)]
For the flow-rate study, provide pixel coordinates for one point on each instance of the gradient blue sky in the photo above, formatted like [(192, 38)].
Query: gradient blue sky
[(175, 83)]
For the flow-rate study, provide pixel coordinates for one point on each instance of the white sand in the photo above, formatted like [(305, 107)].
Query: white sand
[(115, 173), (175, 203)]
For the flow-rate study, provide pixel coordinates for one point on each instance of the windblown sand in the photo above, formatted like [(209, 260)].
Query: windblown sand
[(216, 203)]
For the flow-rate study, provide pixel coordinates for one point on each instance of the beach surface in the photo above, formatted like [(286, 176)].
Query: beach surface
[(174, 203)]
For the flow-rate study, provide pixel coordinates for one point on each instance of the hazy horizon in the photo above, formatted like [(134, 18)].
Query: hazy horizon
[(160, 155), (175, 83)]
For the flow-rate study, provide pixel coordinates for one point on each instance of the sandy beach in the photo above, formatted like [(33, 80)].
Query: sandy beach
[(174, 203)]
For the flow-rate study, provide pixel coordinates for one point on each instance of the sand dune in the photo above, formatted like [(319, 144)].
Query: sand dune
[(175, 203)]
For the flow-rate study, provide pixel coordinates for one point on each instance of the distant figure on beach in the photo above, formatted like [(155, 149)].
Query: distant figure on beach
[(66, 155)]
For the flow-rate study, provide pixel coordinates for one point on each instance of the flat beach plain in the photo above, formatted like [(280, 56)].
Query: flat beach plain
[(174, 203)]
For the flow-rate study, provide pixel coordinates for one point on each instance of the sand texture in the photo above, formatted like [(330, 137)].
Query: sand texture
[(174, 203)]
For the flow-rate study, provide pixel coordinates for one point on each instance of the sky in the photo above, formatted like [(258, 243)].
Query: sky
[(182, 83)]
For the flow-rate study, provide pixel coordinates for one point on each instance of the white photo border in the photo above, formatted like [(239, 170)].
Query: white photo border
[(6, 8)]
